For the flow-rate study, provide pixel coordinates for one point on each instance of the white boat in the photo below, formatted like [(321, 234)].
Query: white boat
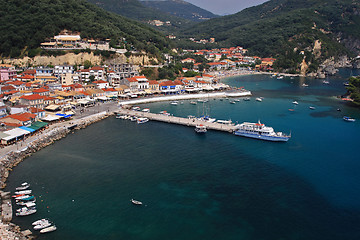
[(258, 99), (42, 225), (193, 103), (146, 110), (224, 121), (142, 120), (23, 186), (119, 117), (165, 113), (23, 192), (136, 202), (260, 131), (133, 118), (24, 203), (304, 85), (237, 100), (49, 229), (22, 197), (232, 102), (348, 119), (325, 82), (26, 212), (280, 77), (312, 108), (202, 100), (200, 128), (136, 108), (37, 222), (246, 99), (295, 102), (174, 103)]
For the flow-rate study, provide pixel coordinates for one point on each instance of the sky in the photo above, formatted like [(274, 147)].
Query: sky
[(222, 7)]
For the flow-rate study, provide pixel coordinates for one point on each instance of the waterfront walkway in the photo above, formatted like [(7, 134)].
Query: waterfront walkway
[(191, 122)]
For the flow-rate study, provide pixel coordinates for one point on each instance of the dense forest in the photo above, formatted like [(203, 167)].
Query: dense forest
[(284, 28), (181, 9), (354, 89), (25, 24)]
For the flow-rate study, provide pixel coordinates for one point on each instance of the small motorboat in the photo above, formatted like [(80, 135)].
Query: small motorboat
[(174, 103), (193, 103), (146, 110), (259, 99), (23, 192), (295, 102), (23, 186), (237, 100), (133, 118), (49, 229), (136, 202), (136, 108), (44, 223), (142, 120), (304, 85), (200, 129), (37, 222), (26, 212), (232, 102), (246, 99), (339, 110), (348, 119), (312, 108)]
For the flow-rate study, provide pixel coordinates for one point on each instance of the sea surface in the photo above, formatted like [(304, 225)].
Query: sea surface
[(212, 186)]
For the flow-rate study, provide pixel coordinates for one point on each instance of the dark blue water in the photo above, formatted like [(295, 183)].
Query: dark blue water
[(215, 186)]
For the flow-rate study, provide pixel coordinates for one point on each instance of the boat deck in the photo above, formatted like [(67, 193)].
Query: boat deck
[(178, 120)]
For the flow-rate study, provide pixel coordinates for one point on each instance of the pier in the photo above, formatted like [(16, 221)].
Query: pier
[(191, 122)]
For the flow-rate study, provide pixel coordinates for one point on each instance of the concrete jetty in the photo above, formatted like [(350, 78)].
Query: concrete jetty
[(191, 122), (6, 208)]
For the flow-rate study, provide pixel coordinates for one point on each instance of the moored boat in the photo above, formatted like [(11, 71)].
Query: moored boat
[(49, 229), (37, 222), (146, 110), (136, 202), (24, 192), (312, 108), (26, 212), (142, 120), (260, 131), (246, 99), (174, 103), (258, 99), (295, 102), (44, 223), (23, 186), (193, 103), (349, 119), (200, 128)]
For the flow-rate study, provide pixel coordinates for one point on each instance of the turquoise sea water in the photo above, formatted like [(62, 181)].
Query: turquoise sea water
[(212, 186)]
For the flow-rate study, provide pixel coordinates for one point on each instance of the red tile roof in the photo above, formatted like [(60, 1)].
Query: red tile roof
[(97, 68), (35, 110), (16, 83), (23, 117), (7, 88), (40, 90), (153, 82), (29, 72), (32, 97)]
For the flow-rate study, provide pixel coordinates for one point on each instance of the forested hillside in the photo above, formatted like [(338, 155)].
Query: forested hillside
[(25, 24), (284, 28)]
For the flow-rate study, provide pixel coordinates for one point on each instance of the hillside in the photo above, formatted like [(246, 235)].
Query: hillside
[(135, 10), (181, 9), (285, 28), (25, 24)]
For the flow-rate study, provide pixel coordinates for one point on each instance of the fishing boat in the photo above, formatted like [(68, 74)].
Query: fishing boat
[(136, 202), (295, 102), (200, 129), (49, 229), (258, 99), (260, 131), (146, 110), (193, 103), (142, 120), (23, 186), (348, 119), (136, 108), (312, 108), (23, 192)]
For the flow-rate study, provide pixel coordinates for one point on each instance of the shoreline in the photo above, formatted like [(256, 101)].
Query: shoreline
[(11, 156)]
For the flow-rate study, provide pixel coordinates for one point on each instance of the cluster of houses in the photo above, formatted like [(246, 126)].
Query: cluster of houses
[(47, 94), (228, 58)]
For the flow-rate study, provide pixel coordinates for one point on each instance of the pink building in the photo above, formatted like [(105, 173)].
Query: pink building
[(7, 72)]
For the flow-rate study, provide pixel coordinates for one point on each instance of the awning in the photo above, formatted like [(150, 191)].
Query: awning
[(50, 118), (27, 129), (38, 125), (53, 107), (15, 133), (2, 135)]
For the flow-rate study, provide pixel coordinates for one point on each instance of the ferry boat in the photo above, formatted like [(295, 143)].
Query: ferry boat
[(348, 119), (200, 129), (260, 131), (142, 120)]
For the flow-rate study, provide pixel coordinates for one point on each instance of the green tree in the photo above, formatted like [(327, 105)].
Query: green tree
[(87, 64)]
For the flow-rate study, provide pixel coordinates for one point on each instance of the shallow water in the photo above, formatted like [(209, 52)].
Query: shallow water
[(212, 186)]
